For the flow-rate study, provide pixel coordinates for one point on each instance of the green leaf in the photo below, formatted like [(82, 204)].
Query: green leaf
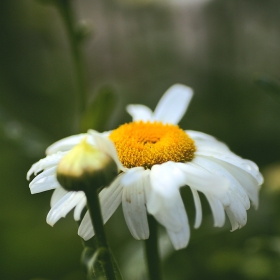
[(99, 111)]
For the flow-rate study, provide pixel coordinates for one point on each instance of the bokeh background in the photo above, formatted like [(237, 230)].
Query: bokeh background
[(140, 48)]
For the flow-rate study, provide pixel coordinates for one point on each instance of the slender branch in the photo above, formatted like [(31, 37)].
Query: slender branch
[(100, 237), (152, 252), (66, 11)]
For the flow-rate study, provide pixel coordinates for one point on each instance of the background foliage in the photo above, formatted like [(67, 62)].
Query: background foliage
[(139, 48)]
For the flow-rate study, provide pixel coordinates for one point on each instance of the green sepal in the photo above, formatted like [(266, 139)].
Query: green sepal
[(99, 111), (92, 262)]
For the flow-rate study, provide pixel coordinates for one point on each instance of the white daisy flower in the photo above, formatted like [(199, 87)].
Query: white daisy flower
[(155, 158)]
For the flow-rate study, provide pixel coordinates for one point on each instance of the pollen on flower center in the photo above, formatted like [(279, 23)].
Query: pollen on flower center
[(148, 143)]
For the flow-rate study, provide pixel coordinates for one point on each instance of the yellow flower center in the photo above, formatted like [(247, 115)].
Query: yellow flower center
[(146, 144)]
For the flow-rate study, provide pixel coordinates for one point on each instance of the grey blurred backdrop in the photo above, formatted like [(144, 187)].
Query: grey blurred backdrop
[(140, 48)]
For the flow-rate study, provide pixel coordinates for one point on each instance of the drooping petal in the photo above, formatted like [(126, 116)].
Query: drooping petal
[(67, 143), (133, 204), (57, 195), (139, 112), (164, 199), (217, 210), (180, 239), (47, 181), (237, 215), (202, 180), (173, 104), (234, 160), (219, 170), (198, 208), (106, 145), (79, 208), (64, 206), (236, 212), (165, 179), (110, 198), (49, 172), (233, 222), (248, 182), (86, 230)]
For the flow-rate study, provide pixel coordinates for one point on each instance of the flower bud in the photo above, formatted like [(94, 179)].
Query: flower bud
[(84, 30), (85, 167)]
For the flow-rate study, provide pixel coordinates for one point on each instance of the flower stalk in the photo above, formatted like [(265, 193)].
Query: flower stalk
[(100, 237), (152, 251), (67, 14)]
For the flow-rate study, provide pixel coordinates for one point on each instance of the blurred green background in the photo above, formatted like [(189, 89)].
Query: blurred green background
[(140, 48)]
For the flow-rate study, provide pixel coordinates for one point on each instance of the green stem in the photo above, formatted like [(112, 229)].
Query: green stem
[(152, 252), (100, 237), (66, 11)]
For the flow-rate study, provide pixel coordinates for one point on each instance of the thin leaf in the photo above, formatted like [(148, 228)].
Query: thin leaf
[(99, 111)]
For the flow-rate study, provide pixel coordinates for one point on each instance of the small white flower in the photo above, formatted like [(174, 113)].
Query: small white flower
[(155, 158)]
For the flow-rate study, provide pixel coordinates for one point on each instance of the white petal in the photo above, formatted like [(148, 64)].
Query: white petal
[(197, 135), (235, 160), (211, 146), (164, 200), (252, 164), (86, 228), (217, 210), (110, 199), (204, 181), (246, 180), (49, 172), (198, 208), (57, 195), (44, 184), (67, 143), (64, 206), (173, 104), (236, 212), (234, 223), (132, 176), (134, 209), (79, 208), (106, 145), (237, 215), (139, 112), (219, 170), (165, 180), (45, 163), (180, 239)]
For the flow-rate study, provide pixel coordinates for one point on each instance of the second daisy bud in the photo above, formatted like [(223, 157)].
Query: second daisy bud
[(85, 167)]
